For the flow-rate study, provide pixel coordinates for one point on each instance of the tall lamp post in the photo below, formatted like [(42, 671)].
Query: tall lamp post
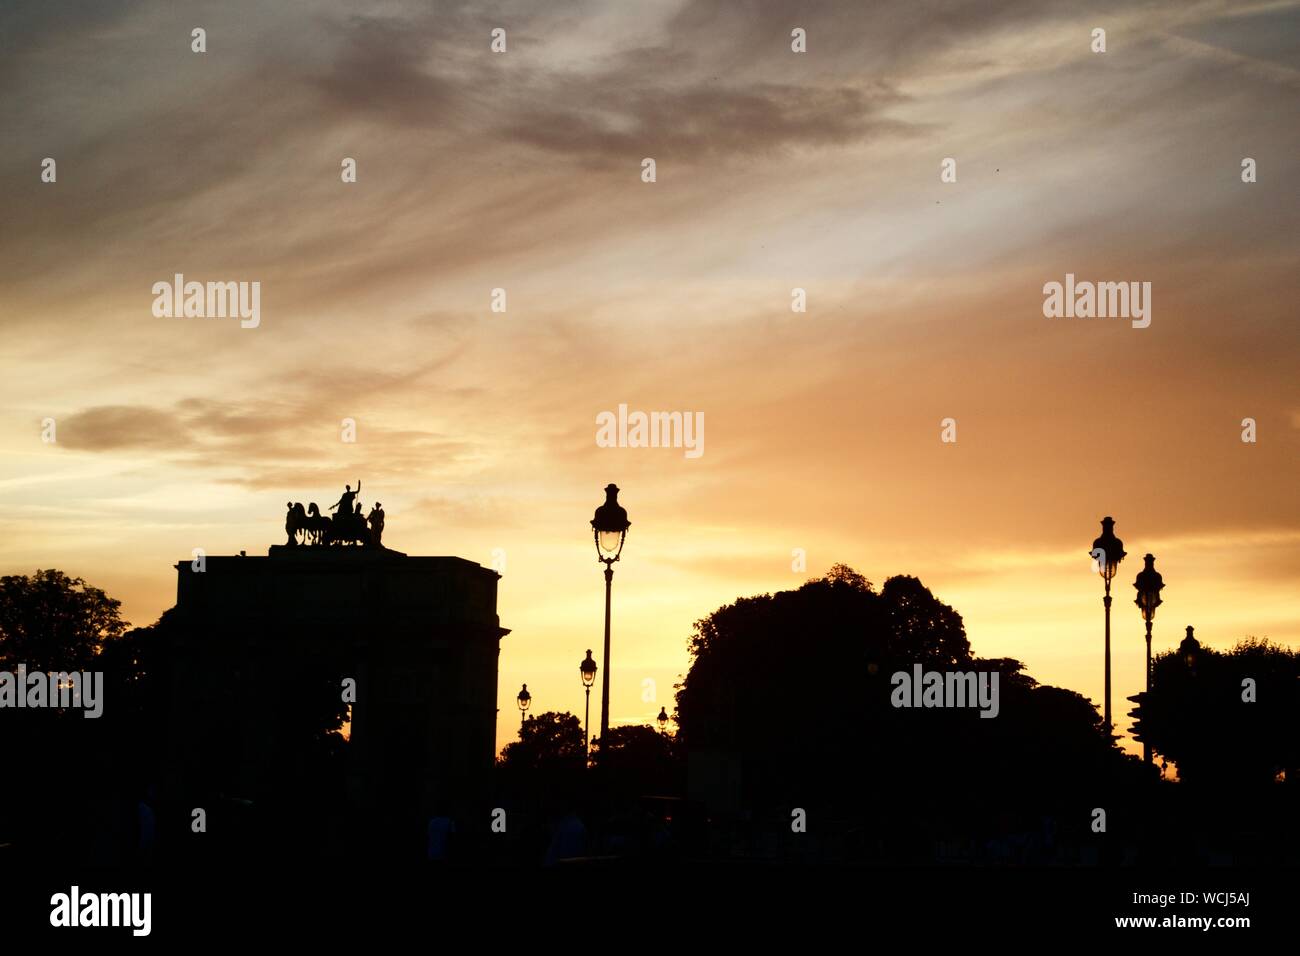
[(1149, 584), (588, 671), (524, 700), (609, 527), (1107, 552)]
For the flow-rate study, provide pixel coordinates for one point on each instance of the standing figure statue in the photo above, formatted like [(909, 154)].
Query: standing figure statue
[(376, 520), (344, 504)]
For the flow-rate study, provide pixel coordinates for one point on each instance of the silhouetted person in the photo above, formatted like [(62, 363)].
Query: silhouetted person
[(377, 524), (146, 827), (568, 840), (438, 846)]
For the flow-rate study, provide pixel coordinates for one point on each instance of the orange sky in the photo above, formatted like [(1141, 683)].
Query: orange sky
[(775, 170)]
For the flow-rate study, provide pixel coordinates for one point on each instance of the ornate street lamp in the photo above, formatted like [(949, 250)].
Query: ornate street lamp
[(588, 670), (1189, 650), (609, 527), (1149, 584), (663, 720), (524, 700), (1107, 552)]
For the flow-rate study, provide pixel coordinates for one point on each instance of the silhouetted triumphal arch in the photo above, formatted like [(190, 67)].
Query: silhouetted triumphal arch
[(263, 652)]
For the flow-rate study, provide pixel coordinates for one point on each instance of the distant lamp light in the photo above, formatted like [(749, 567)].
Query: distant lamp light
[(1190, 649), (588, 670), (663, 720), (1107, 550), (524, 700), (1149, 584), (610, 526)]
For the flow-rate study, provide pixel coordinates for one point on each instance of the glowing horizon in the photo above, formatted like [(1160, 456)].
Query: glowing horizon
[(775, 171)]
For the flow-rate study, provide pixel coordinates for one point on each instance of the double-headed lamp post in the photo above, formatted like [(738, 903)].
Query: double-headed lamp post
[(1149, 584), (588, 671), (609, 528), (524, 700), (1107, 552)]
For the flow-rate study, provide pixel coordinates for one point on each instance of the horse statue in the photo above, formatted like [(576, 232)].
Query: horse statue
[(295, 523), (318, 526)]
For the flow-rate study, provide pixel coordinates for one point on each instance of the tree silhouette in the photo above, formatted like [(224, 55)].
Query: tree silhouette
[(920, 625), (797, 684), (137, 681), (50, 621), (549, 741), (1196, 714), (639, 759)]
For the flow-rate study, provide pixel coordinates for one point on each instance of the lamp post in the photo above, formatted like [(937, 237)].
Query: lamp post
[(588, 670), (524, 700), (1189, 650), (1107, 552), (1149, 584), (609, 528), (663, 720)]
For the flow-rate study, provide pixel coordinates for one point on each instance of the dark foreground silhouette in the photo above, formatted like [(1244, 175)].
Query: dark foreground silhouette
[(789, 747)]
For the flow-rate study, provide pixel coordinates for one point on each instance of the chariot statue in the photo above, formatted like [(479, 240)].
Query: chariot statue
[(307, 527)]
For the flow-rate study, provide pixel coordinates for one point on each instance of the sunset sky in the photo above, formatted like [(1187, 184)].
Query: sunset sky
[(775, 170)]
